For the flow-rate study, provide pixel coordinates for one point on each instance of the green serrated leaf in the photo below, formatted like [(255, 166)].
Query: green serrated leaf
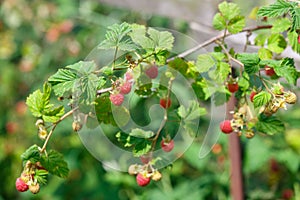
[(295, 15), (261, 99), (276, 43), (236, 24), (141, 148), (287, 70), (204, 63), (63, 81), (229, 10), (250, 61), (116, 38), (243, 82), (53, 114), (138, 36), (277, 9), (104, 111), (163, 40), (55, 164), (293, 41), (261, 39), (35, 103), (194, 111), (270, 125), (265, 54), (221, 73), (281, 25), (41, 176), (141, 133), (219, 22), (32, 154)]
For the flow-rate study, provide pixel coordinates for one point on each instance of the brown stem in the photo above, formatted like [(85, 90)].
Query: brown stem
[(236, 179), (54, 126), (213, 39)]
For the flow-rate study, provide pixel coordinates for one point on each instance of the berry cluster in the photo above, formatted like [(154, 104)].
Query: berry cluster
[(279, 100), (28, 179), (243, 120), (120, 88), (144, 173)]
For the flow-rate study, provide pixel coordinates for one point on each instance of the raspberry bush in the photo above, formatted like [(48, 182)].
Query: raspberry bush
[(142, 65)]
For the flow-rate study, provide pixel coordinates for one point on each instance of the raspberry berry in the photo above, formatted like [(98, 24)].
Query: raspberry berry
[(128, 76), (226, 127), (252, 94), (142, 180), (232, 87), (21, 185), (125, 88), (146, 158), (167, 146), (152, 72), (165, 103), (116, 99), (269, 71), (298, 39)]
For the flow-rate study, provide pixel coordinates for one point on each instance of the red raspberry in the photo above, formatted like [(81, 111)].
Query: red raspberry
[(128, 76), (142, 180), (146, 158), (21, 185), (125, 88), (167, 146), (152, 72), (165, 103), (252, 94), (269, 71), (233, 87), (287, 194), (116, 99), (225, 127), (298, 39)]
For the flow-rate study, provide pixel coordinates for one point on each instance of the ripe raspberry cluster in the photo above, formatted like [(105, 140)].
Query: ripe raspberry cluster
[(28, 180), (120, 88), (243, 120), (144, 173)]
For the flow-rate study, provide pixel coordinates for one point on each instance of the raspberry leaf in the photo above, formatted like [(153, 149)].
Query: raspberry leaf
[(287, 70), (250, 61), (55, 164), (261, 99), (32, 154), (293, 41), (39, 105), (269, 125), (276, 43), (78, 76), (41, 176), (117, 38), (277, 9)]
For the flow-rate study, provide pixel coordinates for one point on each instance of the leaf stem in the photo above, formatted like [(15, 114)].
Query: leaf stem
[(54, 126)]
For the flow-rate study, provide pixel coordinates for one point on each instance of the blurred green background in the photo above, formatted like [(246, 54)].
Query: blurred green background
[(38, 37)]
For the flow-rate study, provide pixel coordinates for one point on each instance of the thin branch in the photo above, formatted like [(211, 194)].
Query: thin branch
[(54, 126), (213, 39)]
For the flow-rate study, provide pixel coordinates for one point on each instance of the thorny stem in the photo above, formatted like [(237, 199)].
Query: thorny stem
[(54, 126)]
